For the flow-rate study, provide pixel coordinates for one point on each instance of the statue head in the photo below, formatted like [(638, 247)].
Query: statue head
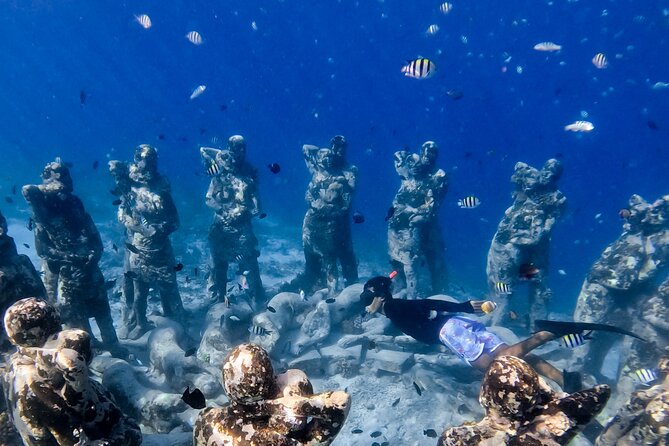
[(237, 147), (146, 159), (248, 375), (429, 153), (407, 164), (57, 176), (338, 146), (30, 322)]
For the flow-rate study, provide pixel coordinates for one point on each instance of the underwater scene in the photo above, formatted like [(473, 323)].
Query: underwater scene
[(371, 222)]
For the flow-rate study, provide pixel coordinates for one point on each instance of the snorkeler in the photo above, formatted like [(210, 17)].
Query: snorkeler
[(435, 321)]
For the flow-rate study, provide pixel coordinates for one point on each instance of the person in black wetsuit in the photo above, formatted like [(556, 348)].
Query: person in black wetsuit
[(436, 321)]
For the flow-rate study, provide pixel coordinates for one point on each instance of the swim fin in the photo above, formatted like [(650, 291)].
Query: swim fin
[(560, 328)]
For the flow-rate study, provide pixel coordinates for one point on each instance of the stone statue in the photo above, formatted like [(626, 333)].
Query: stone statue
[(616, 289), (521, 409), (70, 246), (149, 215), (265, 409), (415, 245), (233, 195), (18, 277), (520, 247), (326, 231), (51, 399)]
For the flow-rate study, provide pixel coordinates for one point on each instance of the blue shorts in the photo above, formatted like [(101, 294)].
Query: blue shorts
[(468, 339)]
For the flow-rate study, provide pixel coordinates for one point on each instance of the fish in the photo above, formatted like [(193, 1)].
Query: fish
[(419, 68), (239, 258), (376, 434), (390, 213), (190, 352), (528, 271), (235, 318), (14, 189), (115, 192), (187, 280), (109, 284), (419, 391), (580, 126), (469, 202), (503, 288), (445, 8), (547, 46), (624, 213), (395, 403), (660, 85), (114, 247), (356, 431), (262, 215), (455, 94), (131, 275), (358, 218), (197, 91), (432, 30), (82, 98), (600, 61), (271, 309), (27, 246), (117, 202), (512, 315), (259, 331), (274, 167), (330, 300), (652, 125), (178, 267), (488, 306), (392, 274), (645, 376), (431, 433), (303, 295), (562, 272), (9, 200), (194, 37), (371, 345), (31, 224), (96, 163), (573, 340), (132, 248), (143, 20), (194, 399), (213, 169)]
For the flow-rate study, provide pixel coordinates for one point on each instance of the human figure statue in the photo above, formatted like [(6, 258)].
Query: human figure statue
[(415, 245), (520, 247), (70, 247), (617, 288), (433, 243), (149, 215), (51, 398), (326, 231), (18, 277), (233, 195)]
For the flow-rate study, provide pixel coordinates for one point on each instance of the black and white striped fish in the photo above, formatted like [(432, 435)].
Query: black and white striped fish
[(194, 37), (469, 202), (143, 20), (258, 330), (419, 68), (213, 169), (645, 376), (573, 340), (503, 288)]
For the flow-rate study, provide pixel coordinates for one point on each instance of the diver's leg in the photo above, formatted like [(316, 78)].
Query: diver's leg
[(545, 369), (522, 348)]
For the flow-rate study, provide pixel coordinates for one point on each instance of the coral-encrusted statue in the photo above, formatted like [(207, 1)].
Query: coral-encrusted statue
[(266, 409)]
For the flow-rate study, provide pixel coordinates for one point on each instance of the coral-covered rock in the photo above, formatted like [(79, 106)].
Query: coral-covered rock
[(522, 410)]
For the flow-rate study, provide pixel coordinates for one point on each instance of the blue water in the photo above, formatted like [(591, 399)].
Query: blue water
[(315, 69)]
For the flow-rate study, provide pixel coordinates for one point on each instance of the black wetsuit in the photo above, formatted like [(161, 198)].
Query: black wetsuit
[(414, 319)]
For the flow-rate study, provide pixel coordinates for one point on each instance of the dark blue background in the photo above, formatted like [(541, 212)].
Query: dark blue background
[(341, 60)]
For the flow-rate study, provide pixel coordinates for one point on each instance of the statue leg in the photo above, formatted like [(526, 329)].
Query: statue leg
[(218, 279), (349, 264), (142, 325), (170, 298)]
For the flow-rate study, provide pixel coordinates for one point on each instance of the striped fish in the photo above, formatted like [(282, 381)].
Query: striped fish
[(213, 169), (600, 61), (258, 330), (445, 8), (572, 340), (194, 37), (469, 202), (645, 376), (143, 20), (547, 46), (503, 288), (419, 68), (198, 91), (143, 221), (432, 30)]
